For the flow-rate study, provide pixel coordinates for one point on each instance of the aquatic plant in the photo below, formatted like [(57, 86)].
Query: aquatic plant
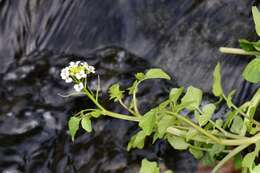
[(182, 119), (252, 70)]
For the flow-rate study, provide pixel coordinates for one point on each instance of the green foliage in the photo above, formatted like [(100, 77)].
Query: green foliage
[(217, 86), (192, 98), (137, 141), (256, 17), (86, 124), (156, 73), (177, 142), (184, 122), (115, 93), (147, 122), (248, 160), (73, 126), (151, 167), (148, 166), (252, 71)]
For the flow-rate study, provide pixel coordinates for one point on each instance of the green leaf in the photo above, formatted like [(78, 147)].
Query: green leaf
[(238, 125), (86, 124), (165, 122), (156, 73), (73, 126), (148, 121), (248, 160), (198, 154), (133, 87), (137, 141), (257, 147), (149, 167), (246, 45), (216, 149), (230, 117), (115, 93), (256, 16), (168, 171), (96, 113), (177, 142), (217, 86), (192, 96), (238, 161), (256, 169), (257, 45), (252, 71), (229, 98), (175, 93), (208, 111), (191, 134), (139, 76)]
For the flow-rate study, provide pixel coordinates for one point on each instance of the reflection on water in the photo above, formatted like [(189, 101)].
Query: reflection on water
[(38, 38)]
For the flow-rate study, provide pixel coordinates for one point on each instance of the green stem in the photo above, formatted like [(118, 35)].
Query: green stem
[(237, 51), (206, 149), (198, 128), (109, 113), (128, 109), (229, 156), (243, 113)]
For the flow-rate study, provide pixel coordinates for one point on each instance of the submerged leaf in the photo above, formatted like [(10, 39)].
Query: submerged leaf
[(252, 71)]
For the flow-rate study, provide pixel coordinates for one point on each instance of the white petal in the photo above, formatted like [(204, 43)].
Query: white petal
[(68, 80), (78, 87)]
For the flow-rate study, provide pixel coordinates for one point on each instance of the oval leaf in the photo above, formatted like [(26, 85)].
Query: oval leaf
[(252, 71), (86, 124), (193, 96), (149, 167), (177, 142), (217, 86), (256, 17), (147, 122), (156, 73), (73, 126)]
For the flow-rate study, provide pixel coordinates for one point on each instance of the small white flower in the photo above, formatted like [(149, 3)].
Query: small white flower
[(81, 75), (91, 69), (68, 80), (78, 87), (65, 73)]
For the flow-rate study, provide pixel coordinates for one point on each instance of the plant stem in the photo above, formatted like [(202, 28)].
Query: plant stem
[(109, 113), (229, 156), (128, 109), (237, 51), (198, 128)]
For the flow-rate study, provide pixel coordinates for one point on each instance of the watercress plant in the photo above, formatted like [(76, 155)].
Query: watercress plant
[(181, 119), (252, 70)]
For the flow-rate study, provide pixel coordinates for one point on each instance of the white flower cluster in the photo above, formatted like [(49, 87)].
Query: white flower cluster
[(77, 72)]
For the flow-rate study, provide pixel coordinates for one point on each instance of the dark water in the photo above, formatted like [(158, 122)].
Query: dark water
[(39, 37)]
